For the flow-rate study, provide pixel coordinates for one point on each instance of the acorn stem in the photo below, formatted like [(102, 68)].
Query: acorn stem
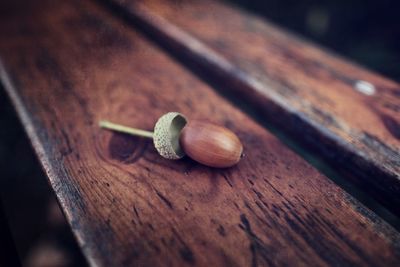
[(124, 129)]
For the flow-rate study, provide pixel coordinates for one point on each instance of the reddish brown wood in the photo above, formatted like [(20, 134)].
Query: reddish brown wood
[(68, 64), (348, 114)]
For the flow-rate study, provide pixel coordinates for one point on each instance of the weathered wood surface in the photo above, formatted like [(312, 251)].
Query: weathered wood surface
[(68, 64), (348, 114)]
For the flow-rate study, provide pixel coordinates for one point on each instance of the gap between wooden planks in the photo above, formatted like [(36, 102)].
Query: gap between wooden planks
[(347, 114), (66, 65)]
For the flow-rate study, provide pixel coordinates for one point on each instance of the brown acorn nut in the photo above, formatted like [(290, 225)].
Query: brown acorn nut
[(174, 137), (210, 144)]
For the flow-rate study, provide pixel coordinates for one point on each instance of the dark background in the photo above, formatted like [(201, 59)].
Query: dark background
[(367, 32), (364, 31)]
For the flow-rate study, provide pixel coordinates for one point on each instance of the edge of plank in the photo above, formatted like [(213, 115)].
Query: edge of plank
[(39, 149)]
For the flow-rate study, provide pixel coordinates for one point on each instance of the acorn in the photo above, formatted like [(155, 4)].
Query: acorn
[(174, 137)]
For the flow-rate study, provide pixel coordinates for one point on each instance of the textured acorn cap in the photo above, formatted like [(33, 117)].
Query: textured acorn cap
[(166, 135)]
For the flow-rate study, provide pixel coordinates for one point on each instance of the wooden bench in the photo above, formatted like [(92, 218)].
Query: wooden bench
[(66, 65)]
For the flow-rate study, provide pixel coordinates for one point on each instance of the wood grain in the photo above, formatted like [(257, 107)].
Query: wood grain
[(68, 64), (346, 113)]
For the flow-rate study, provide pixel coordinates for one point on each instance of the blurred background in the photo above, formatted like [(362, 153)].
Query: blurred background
[(364, 31)]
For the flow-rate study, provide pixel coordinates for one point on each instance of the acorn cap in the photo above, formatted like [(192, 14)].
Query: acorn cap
[(166, 135)]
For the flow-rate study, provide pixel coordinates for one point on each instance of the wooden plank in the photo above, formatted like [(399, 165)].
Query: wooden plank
[(346, 113), (68, 64)]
